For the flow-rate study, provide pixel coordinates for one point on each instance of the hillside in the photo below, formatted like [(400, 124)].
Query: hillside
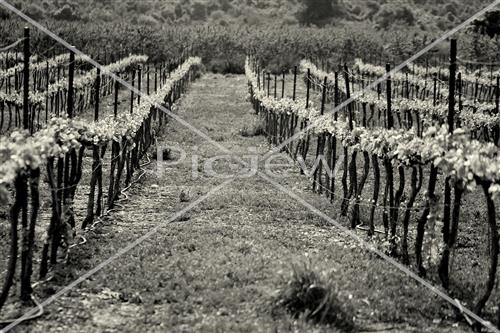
[(422, 14)]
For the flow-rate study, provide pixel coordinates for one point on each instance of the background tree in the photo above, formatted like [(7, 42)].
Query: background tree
[(490, 25), (318, 12), (389, 14)]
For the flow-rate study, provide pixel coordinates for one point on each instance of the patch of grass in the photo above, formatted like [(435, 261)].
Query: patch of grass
[(254, 129), (310, 296)]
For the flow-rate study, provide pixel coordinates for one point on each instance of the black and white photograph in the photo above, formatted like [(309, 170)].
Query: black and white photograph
[(245, 166)]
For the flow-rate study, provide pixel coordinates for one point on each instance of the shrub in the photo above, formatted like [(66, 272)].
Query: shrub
[(35, 12), (146, 20), (167, 13), (198, 11), (65, 13)]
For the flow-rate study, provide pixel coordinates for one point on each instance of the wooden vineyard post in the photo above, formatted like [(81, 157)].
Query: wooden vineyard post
[(26, 76), (275, 85), (389, 209), (156, 79), (348, 96), (336, 95), (295, 83), (115, 104), (452, 85), (161, 77), (305, 142), (352, 166), (323, 96), (97, 93), (147, 80), (263, 80), (132, 92), (459, 83), (308, 87), (139, 83), (293, 117), (258, 79), (47, 79), (390, 119), (497, 95), (71, 77), (96, 176), (317, 183), (447, 237), (268, 84), (434, 97), (283, 86)]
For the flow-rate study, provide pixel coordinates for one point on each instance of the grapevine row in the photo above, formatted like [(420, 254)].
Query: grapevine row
[(59, 149), (463, 163)]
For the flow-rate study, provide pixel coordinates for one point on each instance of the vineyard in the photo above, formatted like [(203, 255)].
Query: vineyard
[(46, 137), (402, 160), (435, 125)]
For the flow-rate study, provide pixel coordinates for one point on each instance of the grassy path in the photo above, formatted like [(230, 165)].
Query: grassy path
[(220, 267)]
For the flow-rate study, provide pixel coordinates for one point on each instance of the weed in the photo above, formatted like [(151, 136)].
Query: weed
[(307, 295), (254, 129)]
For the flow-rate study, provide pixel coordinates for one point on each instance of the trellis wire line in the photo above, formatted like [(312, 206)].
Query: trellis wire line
[(10, 46), (473, 62)]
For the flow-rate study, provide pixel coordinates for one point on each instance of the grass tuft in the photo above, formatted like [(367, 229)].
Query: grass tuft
[(307, 295), (254, 129)]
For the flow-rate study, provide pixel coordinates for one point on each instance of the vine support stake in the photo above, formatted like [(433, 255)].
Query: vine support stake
[(156, 79), (434, 98), (268, 84), (283, 85), (323, 95), (451, 96), (336, 95), (115, 104), (308, 84), (132, 93), (71, 78), (258, 78), (275, 85), (96, 94), (497, 95), (26, 76), (348, 96), (295, 83), (139, 84), (147, 80), (459, 84), (390, 120)]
